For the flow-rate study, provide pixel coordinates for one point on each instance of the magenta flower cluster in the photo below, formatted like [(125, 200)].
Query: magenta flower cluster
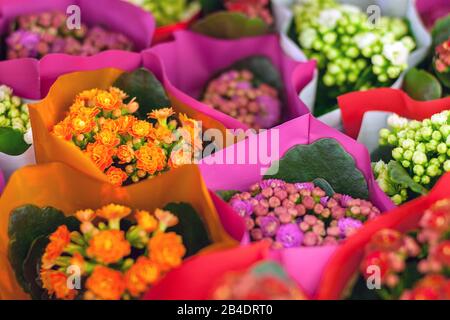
[(301, 214), (237, 94), (35, 35)]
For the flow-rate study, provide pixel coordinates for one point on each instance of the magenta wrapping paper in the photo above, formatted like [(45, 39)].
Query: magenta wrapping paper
[(304, 264), (191, 60), (22, 75), (431, 10)]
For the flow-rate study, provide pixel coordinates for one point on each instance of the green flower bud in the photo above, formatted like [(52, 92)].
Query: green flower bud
[(425, 180), (406, 163), (442, 148), (416, 179), (334, 69), (397, 154), (328, 80), (418, 157), (13, 113), (408, 144), (442, 158), (393, 72), (434, 162), (436, 135), (397, 199), (382, 78), (392, 139), (352, 52), (2, 108), (445, 130), (414, 125), (407, 155), (431, 146), (447, 165), (330, 38), (421, 147), (378, 60), (432, 170), (426, 132), (419, 170)]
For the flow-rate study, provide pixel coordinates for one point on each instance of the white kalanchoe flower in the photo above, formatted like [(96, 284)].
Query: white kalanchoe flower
[(28, 136), (364, 40), (307, 38), (350, 9), (397, 122), (329, 18), (397, 53), (5, 91), (439, 118)]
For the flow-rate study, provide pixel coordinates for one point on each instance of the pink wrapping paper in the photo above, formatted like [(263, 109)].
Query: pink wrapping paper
[(22, 75), (304, 264), (431, 10), (191, 60), (115, 15)]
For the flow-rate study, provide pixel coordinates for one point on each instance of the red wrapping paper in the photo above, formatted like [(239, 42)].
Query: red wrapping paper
[(355, 104), (344, 264)]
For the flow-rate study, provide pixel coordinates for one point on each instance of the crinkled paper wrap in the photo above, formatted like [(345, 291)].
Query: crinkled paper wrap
[(344, 264), (191, 60), (304, 264), (400, 8), (45, 114), (65, 188), (365, 113)]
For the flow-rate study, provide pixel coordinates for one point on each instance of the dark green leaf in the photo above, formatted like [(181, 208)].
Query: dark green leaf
[(11, 141), (26, 224), (325, 186), (399, 175), (421, 85), (226, 195), (262, 68), (209, 6), (270, 268), (146, 88), (190, 227), (230, 25), (441, 30), (32, 266), (324, 159)]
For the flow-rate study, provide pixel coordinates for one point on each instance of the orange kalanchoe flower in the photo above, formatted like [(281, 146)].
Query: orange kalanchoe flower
[(142, 274), (108, 138), (125, 153), (86, 215), (167, 250), (116, 176), (113, 211), (108, 246), (106, 283), (108, 101), (63, 130), (58, 242), (141, 129), (161, 114), (150, 158), (146, 221), (124, 123), (55, 282), (100, 154), (166, 218)]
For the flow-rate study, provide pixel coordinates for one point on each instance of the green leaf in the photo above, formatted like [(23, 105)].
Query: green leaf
[(226, 195), (230, 25), (209, 6), (190, 226), (441, 30), (26, 224), (146, 88), (324, 159), (399, 175), (270, 268), (11, 141), (32, 267), (262, 68), (422, 85), (325, 186)]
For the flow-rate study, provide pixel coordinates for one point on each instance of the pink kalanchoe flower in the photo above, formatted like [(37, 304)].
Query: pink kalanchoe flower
[(251, 8), (289, 235)]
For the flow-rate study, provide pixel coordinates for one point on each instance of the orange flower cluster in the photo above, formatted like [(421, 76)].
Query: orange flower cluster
[(128, 149), (101, 251)]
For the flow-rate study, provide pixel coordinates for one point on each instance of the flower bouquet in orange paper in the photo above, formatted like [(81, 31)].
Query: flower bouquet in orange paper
[(118, 127), (69, 236)]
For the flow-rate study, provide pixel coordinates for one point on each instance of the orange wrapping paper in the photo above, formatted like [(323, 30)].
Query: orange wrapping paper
[(63, 187), (47, 113)]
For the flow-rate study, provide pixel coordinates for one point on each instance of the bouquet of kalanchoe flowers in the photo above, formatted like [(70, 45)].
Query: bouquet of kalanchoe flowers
[(124, 147), (14, 123), (352, 54), (413, 265), (35, 35), (114, 262), (168, 12), (300, 214), (420, 155), (249, 91)]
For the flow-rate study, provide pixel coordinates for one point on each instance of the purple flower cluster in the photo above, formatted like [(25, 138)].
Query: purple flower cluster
[(293, 215), (235, 93), (35, 35)]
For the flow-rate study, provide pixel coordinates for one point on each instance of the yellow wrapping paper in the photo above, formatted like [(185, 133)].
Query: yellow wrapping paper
[(47, 113), (62, 187)]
